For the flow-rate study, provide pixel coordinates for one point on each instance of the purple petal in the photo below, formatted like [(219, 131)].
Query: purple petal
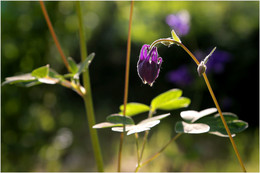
[(144, 51)]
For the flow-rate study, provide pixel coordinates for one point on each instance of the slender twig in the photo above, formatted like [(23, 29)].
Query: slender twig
[(46, 16), (158, 153), (224, 122), (87, 97), (126, 82)]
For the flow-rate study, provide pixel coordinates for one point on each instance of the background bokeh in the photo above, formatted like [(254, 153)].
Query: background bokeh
[(44, 128)]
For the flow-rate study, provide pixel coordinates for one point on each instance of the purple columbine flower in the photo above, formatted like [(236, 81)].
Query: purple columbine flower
[(179, 22), (148, 66)]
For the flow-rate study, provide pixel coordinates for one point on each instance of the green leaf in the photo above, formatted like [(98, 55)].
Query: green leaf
[(119, 119), (85, 64), (175, 37), (134, 109), (55, 75), (41, 72), (73, 66), (165, 98), (217, 127), (193, 128), (172, 104), (105, 125), (18, 79)]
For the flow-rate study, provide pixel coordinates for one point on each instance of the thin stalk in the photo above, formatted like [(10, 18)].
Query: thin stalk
[(137, 147), (46, 16), (211, 93), (126, 82), (87, 97), (224, 122), (145, 137), (158, 153)]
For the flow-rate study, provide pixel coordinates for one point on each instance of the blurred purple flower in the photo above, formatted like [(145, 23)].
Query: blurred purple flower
[(216, 62), (180, 76), (179, 22), (148, 66)]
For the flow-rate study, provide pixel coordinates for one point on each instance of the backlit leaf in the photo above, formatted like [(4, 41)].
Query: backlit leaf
[(159, 117), (134, 108), (193, 116), (20, 78), (193, 128), (175, 37), (41, 72), (105, 125), (73, 66), (170, 100), (181, 102), (85, 64)]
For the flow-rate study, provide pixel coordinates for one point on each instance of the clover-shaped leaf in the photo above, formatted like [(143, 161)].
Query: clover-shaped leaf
[(217, 128), (144, 125), (192, 115), (119, 119), (170, 100), (134, 108), (191, 128), (213, 121), (116, 122)]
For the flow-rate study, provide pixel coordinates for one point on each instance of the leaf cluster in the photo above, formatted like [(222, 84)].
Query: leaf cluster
[(168, 100), (47, 75), (207, 122)]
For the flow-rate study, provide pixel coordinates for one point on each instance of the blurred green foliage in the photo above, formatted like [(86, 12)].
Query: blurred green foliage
[(44, 128)]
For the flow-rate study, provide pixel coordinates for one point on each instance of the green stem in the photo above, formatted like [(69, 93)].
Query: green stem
[(158, 153), (126, 83), (87, 97), (137, 147), (145, 137)]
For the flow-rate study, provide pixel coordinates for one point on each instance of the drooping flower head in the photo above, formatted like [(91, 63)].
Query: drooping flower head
[(148, 66)]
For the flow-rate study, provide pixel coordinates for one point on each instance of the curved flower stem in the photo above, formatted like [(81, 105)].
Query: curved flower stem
[(87, 97), (158, 153), (211, 93), (224, 122), (126, 83), (46, 16)]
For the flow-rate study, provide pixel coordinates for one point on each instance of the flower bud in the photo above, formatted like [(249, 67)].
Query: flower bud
[(201, 68)]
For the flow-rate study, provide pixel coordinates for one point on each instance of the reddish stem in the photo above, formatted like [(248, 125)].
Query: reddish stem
[(46, 16)]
